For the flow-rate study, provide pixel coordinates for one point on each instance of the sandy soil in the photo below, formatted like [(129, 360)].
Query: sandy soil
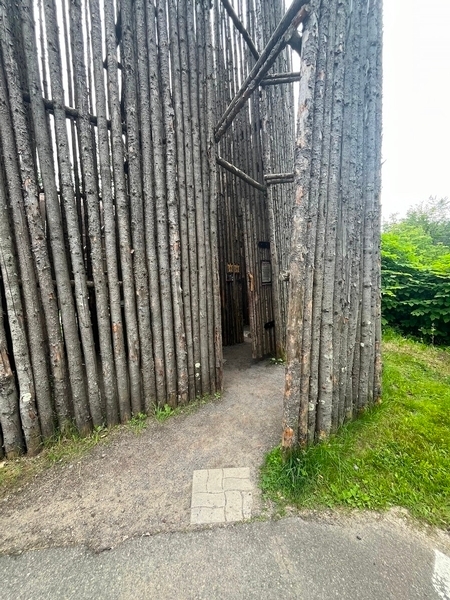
[(141, 483)]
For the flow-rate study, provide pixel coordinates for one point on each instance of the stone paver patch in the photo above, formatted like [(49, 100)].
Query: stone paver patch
[(221, 496)]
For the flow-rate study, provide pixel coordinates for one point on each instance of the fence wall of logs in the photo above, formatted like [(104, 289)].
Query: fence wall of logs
[(333, 341), (148, 209), (110, 285)]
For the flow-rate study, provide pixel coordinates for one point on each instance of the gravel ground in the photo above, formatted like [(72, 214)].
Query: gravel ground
[(141, 483)]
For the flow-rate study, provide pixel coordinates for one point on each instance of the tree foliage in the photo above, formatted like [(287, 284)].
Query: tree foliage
[(416, 271)]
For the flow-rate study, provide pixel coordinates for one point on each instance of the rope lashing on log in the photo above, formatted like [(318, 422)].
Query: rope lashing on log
[(295, 15)]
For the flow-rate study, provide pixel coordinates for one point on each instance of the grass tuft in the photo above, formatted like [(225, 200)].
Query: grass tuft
[(396, 454)]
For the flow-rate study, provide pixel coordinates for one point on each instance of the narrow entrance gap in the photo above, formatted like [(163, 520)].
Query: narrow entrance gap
[(237, 358), (247, 307)]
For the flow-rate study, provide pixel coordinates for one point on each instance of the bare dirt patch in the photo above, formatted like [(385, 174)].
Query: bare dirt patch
[(141, 483)]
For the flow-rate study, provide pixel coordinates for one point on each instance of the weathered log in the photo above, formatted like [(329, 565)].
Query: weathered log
[(16, 320), (54, 220), (117, 326), (136, 205), (176, 300), (9, 400), (123, 221), (190, 196), (202, 371), (162, 222), (91, 191), (297, 405), (73, 230), (32, 305), (147, 151)]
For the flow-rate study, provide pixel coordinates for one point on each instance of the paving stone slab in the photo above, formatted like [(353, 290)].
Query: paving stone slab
[(201, 515), (221, 496)]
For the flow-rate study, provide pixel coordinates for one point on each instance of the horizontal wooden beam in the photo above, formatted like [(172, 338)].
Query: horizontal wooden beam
[(271, 176), (240, 27), (72, 113), (235, 171), (295, 14), (276, 178), (277, 78)]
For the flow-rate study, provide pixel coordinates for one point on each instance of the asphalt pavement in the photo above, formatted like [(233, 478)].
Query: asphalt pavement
[(373, 559)]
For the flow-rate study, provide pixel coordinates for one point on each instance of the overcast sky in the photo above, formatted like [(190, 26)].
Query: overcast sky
[(416, 142)]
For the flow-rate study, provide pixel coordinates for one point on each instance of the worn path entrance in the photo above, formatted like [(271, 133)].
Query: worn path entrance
[(141, 483)]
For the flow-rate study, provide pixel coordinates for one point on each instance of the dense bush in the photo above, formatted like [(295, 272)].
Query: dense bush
[(416, 275)]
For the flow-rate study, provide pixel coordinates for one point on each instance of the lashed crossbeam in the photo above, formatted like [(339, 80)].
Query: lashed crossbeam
[(283, 33)]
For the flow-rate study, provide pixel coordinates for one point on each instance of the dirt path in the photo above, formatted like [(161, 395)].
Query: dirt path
[(141, 483)]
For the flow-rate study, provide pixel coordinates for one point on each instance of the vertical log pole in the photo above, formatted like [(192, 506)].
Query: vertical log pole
[(9, 271), (295, 405), (148, 190), (74, 234), (36, 226), (54, 219), (333, 322), (329, 319), (176, 298), (377, 262), (91, 197), (32, 306), (190, 194), (123, 219), (180, 133), (109, 221), (9, 399), (157, 97), (203, 369), (136, 205), (216, 383), (202, 9)]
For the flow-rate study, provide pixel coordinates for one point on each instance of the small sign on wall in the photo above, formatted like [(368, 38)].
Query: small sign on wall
[(233, 268), (266, 272)]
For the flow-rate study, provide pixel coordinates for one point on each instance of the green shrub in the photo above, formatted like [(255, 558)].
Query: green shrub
[(415, 270)]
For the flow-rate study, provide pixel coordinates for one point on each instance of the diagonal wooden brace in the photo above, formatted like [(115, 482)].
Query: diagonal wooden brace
[(240, 27), (295, 15)]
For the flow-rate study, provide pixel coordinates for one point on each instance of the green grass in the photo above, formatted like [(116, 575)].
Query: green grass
[(396, 454)]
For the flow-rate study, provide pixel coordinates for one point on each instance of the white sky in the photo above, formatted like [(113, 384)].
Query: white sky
[(416, 138)]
